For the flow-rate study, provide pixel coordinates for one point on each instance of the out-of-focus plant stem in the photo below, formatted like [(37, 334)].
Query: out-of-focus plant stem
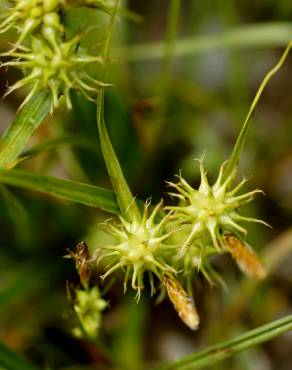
[(164, 79), (250, 36), (124, 196)]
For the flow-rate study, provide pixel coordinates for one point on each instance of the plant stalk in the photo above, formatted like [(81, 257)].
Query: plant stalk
[(237, 151), (221, 351), (124, 196)]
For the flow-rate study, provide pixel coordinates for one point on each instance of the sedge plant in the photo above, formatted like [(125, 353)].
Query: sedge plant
[(162, 244)]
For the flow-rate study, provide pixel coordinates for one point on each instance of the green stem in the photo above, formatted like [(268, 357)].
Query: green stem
[(125, 198), (219, 352), (235, 156), (171, 31), (22, 128)]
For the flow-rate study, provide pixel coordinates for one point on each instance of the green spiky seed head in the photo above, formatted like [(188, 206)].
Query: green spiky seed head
[(141, 246), (211, 210), (57, 68), (27, 16)]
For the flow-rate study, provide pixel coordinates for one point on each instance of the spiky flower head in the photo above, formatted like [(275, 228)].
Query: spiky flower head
[(210, 211), (28, 15), (55, 67), (141, 246)]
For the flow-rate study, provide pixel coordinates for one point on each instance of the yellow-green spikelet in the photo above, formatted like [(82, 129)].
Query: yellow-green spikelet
[(141, 246)]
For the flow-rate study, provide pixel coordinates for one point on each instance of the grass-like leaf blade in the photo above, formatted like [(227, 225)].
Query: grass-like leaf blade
[(20, 131), (89, 195), (219, 352)]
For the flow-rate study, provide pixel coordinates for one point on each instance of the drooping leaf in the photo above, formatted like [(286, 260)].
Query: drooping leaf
[(89, 195)]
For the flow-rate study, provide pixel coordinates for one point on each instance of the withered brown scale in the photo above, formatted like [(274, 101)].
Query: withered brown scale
[(82, 262)]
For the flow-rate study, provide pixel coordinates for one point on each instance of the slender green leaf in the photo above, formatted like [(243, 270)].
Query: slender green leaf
[(219, 352), (12, 361), (235, 156), (263, 35), (125, 198), (53, 144), (19, 132), (89, 195)]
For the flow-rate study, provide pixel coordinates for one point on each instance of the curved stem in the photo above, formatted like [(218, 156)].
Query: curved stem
[(235, 156)]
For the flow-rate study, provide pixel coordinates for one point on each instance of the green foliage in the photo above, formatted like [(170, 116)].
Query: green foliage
[(88, 306), (214, 354), (89, 195), (63, 49), (22, 128)]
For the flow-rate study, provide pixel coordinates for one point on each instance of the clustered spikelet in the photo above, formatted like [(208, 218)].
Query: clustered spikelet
[(29, 15), (173, 245), (88, 306), (86, 301), (205, 222), (196, 259), (58, 70), (140, 247), (210, 211), (51, 62)]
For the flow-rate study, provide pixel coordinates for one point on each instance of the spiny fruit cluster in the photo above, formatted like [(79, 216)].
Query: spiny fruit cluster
[(141, 247), (177, 242), (51, 61)]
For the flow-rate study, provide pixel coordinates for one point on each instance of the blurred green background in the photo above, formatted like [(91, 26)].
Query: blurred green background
[(168, 105)]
